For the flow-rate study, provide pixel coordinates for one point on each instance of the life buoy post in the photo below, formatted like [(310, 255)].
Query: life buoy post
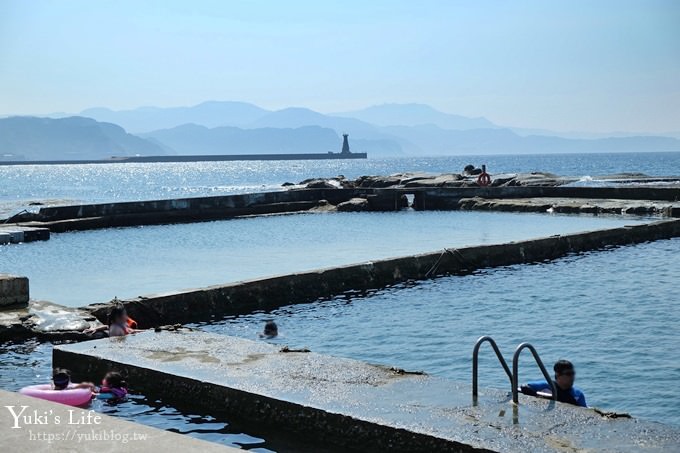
[(484, 179)]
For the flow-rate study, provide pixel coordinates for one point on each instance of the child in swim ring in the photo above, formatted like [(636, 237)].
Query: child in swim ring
[(113, 386), (61, 380)]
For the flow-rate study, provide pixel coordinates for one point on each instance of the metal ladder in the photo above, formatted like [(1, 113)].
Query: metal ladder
[(513, 375)]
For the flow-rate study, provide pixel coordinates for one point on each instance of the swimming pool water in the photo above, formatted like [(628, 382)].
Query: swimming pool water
[(80, 268), (30, 363), (614, 313)]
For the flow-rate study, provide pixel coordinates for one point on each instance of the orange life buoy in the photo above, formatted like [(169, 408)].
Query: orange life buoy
[(484, 179)]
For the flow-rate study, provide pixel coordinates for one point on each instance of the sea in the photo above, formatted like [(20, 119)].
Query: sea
[(100, 183)]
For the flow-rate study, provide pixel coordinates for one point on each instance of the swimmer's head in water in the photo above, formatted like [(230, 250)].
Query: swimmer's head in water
[(114, 379), (61, 378), (271, 329), (565, 375)]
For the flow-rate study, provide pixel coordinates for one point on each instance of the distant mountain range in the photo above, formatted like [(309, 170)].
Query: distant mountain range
[(416, 115), (240, 128), (209, 114), (195, 139), (71, 138)]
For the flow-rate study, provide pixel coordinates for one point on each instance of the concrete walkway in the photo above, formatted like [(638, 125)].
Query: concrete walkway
[(52, 431), (350, 403)]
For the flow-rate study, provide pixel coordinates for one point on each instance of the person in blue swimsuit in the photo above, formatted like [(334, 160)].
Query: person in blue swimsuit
[(564, 383)]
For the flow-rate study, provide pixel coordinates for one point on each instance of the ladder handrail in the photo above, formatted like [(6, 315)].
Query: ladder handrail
[(515, 369), (475, 360)]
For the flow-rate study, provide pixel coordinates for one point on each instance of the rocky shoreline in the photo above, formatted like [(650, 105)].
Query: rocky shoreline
[(468, 179)]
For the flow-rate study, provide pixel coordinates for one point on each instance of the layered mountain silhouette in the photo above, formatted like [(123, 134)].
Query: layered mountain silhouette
[(209, 114), (416, 115), (242, 128), (195, 139), (71, 138), (504, 141)]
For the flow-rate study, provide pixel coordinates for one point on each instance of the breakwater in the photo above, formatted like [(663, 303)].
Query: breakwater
[(648, 200), (196, 158)]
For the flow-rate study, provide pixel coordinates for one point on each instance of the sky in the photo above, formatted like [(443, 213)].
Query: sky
[(594, 66)]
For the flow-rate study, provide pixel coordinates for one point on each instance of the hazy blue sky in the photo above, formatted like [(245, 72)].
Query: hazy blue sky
[(570, 65)]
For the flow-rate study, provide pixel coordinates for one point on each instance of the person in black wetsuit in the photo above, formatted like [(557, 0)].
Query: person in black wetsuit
[(564, 383)]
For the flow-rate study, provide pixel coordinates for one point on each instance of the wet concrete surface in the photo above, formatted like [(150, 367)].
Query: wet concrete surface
[(350, 403)]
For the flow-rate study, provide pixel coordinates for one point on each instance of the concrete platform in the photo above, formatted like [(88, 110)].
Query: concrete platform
[(348, 403), (101, 435)]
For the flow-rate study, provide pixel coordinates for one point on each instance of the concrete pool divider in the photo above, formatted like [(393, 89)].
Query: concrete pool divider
[(183, 210), (150, 212), (347, 403), (215, 302)]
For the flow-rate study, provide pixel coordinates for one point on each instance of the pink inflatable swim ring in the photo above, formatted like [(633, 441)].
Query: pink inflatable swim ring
[(69, 396)]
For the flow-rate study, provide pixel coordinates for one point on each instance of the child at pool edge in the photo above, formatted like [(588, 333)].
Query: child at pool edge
[(61, 380), (119, 324), (114, 387)]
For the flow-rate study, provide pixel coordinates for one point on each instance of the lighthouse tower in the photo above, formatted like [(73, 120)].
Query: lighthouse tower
[(345, 144)]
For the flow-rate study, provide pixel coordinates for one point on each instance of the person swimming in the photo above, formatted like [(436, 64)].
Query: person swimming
[(61, 380), (271, 330), (113, 387), (565, 375)]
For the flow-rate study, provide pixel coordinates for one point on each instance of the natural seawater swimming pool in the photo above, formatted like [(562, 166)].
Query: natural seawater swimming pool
[(631, 375), (80, 268), (614, 313), (601, 309), (406, 334)]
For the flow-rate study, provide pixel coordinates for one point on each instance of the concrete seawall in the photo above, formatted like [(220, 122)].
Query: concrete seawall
[(432, 196), (105, 215), (269, 293)]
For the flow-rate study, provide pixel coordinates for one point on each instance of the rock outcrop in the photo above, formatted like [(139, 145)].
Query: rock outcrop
[(46, 321), (354, 205), (417, 180)]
